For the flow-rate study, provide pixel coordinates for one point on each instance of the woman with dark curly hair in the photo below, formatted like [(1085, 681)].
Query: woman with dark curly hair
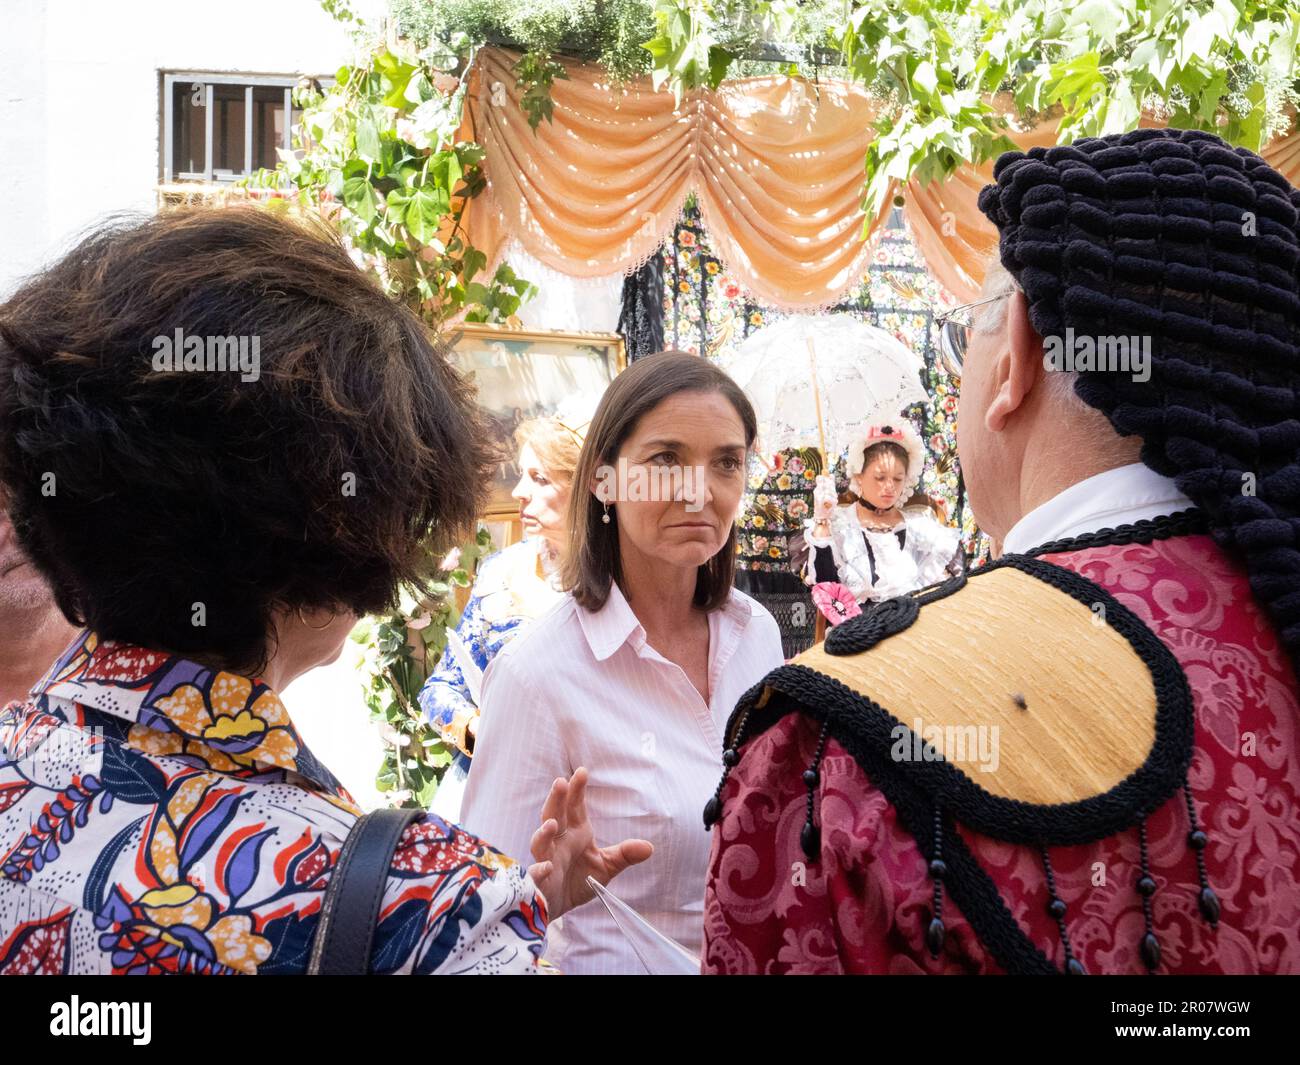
[(220, 443)]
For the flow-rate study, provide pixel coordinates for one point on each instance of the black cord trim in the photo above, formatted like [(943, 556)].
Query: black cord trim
[(1190, 522), (886, 618), (1057, 909), (965, 880), (866, 723)]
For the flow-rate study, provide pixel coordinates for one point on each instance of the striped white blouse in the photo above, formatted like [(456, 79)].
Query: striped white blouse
[(585, 689)]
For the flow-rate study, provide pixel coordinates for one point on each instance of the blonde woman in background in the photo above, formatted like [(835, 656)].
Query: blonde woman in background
[(514, 587)]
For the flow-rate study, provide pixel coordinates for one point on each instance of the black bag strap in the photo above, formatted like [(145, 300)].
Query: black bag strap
[(345, 932)]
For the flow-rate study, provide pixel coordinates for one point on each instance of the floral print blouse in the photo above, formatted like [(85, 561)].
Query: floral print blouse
[(159, 816)]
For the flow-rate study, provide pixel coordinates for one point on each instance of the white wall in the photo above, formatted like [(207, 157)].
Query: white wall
[(328, 710), (80, 117), (80, 105)]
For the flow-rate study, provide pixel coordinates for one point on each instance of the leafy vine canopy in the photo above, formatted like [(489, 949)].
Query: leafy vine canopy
[(951, 76)]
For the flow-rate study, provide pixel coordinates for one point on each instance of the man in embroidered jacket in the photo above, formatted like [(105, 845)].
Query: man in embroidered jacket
[(1069, 656)]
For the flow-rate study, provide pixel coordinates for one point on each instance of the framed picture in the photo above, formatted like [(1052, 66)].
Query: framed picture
[(522, 375)]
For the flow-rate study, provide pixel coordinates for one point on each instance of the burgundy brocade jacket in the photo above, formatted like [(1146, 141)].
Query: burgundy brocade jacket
[(867, 901)]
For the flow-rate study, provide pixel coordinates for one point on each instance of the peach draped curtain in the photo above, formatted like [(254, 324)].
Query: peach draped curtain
[(775, 165)]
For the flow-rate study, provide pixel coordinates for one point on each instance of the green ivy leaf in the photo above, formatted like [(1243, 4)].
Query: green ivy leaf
[(472, 261), (418, 89), (719, 60), (425, 211), (1251, 127), (1210, 95), (368, 137), (358, 197)]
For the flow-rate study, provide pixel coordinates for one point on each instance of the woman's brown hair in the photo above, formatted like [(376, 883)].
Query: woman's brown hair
[(328, 478), (592, 562)]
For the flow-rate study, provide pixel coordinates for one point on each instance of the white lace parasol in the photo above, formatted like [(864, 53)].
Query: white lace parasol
[(815, 381)]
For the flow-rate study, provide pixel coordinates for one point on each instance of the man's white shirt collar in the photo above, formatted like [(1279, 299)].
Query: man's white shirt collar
[(1116, 497)]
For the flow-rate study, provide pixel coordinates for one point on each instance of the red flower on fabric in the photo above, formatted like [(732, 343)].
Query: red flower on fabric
[(38, 947), (121, 662)]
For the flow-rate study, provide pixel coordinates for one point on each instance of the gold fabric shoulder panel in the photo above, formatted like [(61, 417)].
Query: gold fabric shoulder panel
[(1025, 689)]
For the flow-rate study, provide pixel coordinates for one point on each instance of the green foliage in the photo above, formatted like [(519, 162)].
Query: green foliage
[(401, 649), (536, 73), (1227, 66), (627, 38), (343, 13), (609, 32), (698, 43), (379, 155)]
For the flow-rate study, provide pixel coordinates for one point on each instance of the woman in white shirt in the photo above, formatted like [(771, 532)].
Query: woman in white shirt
[(635, 673)]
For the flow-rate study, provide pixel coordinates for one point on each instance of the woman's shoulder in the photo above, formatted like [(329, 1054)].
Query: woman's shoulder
[(544, 640), (923, 518), (746, 605), (532, 674), (844, 518), (743, 601), (495, 571), (508, 585)]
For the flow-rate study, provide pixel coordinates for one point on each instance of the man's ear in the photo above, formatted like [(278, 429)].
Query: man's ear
[(1019, 368)]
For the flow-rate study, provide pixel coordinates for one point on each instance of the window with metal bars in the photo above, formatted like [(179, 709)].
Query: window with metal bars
[(222, 127)]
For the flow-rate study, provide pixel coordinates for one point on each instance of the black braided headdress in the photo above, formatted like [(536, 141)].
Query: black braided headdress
[(1174, 236)]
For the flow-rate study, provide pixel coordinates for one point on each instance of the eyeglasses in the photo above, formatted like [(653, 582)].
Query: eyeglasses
[(954, 333)]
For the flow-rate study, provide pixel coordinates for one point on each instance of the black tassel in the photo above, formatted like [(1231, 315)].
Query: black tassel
[(934, 935), (1146, 887), (713, 808), (1198, 840), (1056, 909), (810, 838)]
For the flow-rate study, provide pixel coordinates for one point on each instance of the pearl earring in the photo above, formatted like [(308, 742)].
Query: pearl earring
[(605, 517)]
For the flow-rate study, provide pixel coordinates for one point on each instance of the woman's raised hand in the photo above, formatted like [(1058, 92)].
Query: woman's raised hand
[(824, 497), (565, 852)]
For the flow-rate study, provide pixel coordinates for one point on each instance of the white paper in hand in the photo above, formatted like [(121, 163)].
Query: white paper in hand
[(660, 955)]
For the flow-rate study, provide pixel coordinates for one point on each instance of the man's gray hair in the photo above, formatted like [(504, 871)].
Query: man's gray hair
[(997, 282), (991, 317)]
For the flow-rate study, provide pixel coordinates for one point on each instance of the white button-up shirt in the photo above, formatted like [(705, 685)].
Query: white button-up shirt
[(586, 689)]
